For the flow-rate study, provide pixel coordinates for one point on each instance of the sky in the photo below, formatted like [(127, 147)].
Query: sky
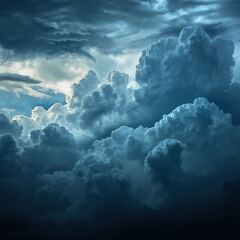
[(119, 119)]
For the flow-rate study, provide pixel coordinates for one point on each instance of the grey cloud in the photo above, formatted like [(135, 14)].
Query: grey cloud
[(100, 107), (54, 148), (51, 28), (10, 127), (164, 162), (177, 70), (113, 177), (163, 81), (171, 162), (189, 155), (58, 27), (9, 156), (182, 4), (13, 77), (179, 169), (89, 82)]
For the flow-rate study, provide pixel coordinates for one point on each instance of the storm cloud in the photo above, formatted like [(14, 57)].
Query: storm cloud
[(50, 27), (118, 161), (187, 157), (177, 70)]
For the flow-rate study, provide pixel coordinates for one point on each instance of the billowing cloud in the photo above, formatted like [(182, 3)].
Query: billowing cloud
[(188, 156), (116, 156), (98, 106), (93, 108), (104, 107), (11, 127), (58, 27), (53, 149), (177, 70)]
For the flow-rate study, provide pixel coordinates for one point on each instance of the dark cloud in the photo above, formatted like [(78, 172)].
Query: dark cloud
[(13, 77), (9, 159), (11, 127), (164, 82), (189, 157), (100, 107), (56, 27), (50, 28), (230, 8), (179, 173), (164, 162), (177, 70), (54, 149)]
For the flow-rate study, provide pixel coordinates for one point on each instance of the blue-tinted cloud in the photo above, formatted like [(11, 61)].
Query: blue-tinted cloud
[(90, 164), (188, 156), (11, 127), (177, 70), (50, 27), (18, 78)]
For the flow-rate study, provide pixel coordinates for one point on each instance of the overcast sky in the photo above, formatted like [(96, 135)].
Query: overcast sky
[(58, 41), (119, 119)]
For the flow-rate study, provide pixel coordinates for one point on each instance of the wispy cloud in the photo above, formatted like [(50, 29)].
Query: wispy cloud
[(13, 77)]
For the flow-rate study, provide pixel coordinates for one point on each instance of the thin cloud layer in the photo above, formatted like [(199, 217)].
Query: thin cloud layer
[(12, 77), (177, 70)]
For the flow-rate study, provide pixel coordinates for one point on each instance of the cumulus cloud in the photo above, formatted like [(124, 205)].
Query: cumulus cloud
[(54, 148), (97, 106), (93, 108), (11, 127), (164, 162), (191, 128), (187, 157), (102, 107), (159, 155), (174, 71)]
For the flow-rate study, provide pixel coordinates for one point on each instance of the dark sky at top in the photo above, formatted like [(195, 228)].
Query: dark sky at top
[(34, 28)]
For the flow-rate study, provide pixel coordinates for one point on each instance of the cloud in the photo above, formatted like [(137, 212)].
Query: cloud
[(54, 148), (93, 108), (98, 106), (24, 101), (52, 28), (174, 71), (104, 107), (164, 162), (59, 27), (189, 156), (9, 157), (116, 157), (10, 127), (12, 77)]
